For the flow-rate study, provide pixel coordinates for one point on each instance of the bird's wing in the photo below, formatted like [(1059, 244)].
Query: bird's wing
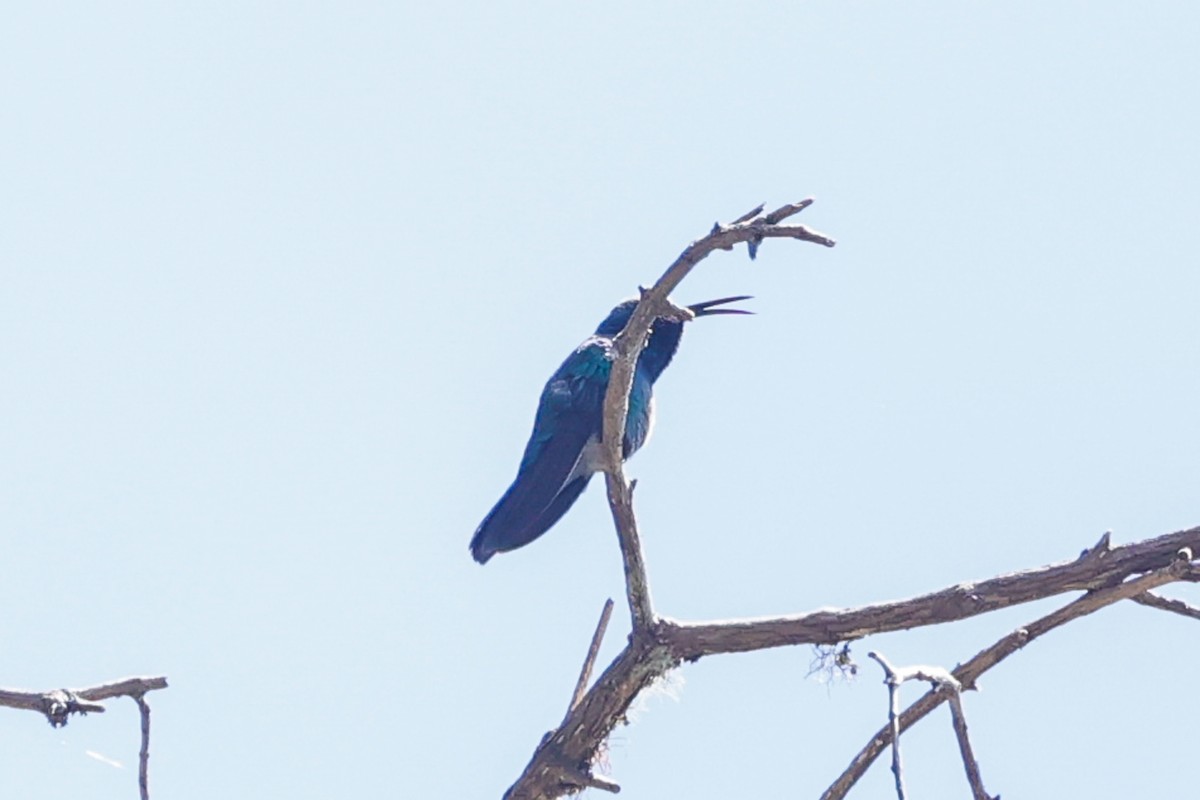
[(551, 476), (551, 514)]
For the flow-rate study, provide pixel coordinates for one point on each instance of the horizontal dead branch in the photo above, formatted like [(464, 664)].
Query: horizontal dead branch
[(1098, 566), (664, 644), (58, 704)]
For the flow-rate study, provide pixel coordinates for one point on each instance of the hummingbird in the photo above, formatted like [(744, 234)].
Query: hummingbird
[(564, 450)]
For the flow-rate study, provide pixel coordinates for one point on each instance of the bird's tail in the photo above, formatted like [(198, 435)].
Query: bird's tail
[(512, 524)]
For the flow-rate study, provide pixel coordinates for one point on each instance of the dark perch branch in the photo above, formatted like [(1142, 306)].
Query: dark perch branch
[(967, 674), (750, 227)]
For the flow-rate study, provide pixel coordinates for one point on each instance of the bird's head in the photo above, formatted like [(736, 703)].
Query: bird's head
[(618, 318), (666, 330)]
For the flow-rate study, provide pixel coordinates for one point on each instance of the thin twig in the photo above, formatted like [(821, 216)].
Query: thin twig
[(893, 718), (751, 214), (1167, 604), (894, 677), (968, 673), (144, 754), (783, 212), (585, 674), (971, 766)]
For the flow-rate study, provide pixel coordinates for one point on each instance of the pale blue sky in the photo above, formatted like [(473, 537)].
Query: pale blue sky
[(282, 283)]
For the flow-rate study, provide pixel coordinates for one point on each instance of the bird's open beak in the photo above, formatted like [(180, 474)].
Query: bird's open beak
[(706, 309)]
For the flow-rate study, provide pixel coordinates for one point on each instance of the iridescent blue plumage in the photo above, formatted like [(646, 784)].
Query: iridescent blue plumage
[(564, 449)]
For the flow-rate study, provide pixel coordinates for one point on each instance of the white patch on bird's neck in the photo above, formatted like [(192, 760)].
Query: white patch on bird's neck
[(591, 458)]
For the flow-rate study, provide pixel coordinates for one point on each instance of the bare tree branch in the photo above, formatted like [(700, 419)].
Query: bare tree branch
[(57, 706), (750, 227), (1167, 604), (751, 214), (620, 501), (585, 674), (893, 684), (144, 753), (894, 677), (587, 727), (1180, 569), (1096, 567), (959, 718)]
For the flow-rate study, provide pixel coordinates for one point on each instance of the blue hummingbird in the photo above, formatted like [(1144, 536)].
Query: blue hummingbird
[(564, 450)]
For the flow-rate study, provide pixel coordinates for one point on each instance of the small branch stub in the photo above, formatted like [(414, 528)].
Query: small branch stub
[(589, 662)]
